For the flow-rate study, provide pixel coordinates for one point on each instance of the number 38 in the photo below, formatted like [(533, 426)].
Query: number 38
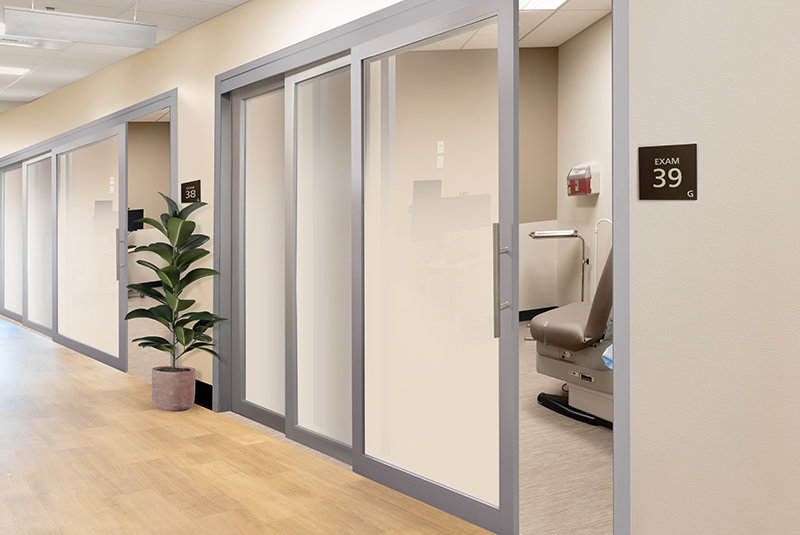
[(674, 175)]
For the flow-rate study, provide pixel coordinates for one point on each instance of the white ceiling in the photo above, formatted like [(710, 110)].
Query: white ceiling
[(53, 69), (536, 28)]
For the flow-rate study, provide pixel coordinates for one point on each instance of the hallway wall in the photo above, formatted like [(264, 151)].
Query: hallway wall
[(714, 293)]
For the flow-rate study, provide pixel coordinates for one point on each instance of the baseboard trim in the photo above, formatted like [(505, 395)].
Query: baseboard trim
[(202, 394), (527, 315)]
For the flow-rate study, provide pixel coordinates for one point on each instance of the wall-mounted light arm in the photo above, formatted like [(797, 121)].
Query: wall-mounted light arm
[(540, 234)]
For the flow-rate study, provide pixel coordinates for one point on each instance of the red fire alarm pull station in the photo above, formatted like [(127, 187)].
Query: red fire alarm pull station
[(580, 180)]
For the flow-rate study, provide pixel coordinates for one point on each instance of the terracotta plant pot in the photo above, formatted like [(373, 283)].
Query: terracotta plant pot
[(173, 388)]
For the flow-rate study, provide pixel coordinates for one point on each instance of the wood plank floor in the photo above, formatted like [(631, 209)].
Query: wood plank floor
[(83, 451)]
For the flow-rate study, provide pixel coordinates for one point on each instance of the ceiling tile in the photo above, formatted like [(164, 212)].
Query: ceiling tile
[(561, 27), (586, 5), (528, 20), (186, 8), (164, 22)]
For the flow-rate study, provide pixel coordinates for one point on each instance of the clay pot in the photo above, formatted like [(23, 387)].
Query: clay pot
[(173, 388)]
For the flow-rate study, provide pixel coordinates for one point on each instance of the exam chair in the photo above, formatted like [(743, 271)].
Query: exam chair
[(570, 342)]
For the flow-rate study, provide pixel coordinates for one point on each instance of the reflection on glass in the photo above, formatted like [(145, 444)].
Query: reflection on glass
[(430, 195), (40, 243), (324, 351), (13, 230), (88, 208), (265, 273)]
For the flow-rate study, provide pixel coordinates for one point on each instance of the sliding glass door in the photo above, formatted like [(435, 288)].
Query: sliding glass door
[(320, 354), (439, 354), (91, 247), (38, 272), (13, 223)]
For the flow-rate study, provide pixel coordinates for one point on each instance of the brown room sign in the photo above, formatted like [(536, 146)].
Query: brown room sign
[(668, 173)]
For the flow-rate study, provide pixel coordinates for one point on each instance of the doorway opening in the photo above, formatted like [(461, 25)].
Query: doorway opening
[(566, 465)]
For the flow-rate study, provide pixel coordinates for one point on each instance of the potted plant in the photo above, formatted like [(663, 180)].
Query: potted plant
[(173, 386)]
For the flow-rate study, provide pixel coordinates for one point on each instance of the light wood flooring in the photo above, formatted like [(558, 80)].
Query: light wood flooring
[(83, 451)]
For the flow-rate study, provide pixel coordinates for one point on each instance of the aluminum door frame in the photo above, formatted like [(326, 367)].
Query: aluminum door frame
[(53, 203), (503, 519), (120, 362), (3, 310), (317, 441), (236, 256)]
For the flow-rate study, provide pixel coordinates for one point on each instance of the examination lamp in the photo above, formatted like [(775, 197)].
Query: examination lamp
[(539, 234)]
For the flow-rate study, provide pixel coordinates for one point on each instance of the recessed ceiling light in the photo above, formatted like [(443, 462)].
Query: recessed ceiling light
[(15, 71), (548, 5)]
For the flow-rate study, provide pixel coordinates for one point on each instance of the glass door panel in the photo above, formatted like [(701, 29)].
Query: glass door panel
[(13, 241), (264, 199), (39, 244), (431, 196), (89, 191), (323, 256)]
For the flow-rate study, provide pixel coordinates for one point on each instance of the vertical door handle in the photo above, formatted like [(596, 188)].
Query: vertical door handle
[(496, 252)]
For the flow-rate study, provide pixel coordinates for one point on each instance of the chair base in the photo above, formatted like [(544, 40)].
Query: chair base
[(560, 404)]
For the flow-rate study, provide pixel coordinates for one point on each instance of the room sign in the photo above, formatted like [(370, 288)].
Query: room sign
[(668, 173), (190, 191)]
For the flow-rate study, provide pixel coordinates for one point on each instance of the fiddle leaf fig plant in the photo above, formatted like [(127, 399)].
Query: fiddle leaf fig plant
[(188, 329)]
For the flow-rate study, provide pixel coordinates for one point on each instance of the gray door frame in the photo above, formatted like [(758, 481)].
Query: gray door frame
[(236, 258), (168, 99), (47, 331), (504, 518), (293, 430), (121, 133), (5, 312)]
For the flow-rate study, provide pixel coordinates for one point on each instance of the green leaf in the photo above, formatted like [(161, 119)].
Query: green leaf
[(165, 219), (194, 275), (170, 275), (202, 347), (147, 314), (184, 336), (183, 304), (164, 253), (193, 242), (186, 258), (183, 214), (153, 223), (150, 265), (153, 340), (172, 301), (179, 230), (164, 312), (148, 292), (171, 205)]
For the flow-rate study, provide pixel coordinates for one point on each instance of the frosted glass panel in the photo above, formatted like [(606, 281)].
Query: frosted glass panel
[(88, 208), (13, 234), (431, 196), (324, 349), (40, 243), (265, 243)]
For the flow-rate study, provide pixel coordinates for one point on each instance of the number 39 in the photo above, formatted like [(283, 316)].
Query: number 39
[(675, 176)]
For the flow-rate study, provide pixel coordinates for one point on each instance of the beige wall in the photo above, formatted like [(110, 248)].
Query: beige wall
[(715, 412), (188, 61), (538, 133), (148, 167), (584, 135)]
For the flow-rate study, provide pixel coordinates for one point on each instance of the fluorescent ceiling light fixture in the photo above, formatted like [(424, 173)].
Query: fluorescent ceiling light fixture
[(544, 5), (54, 25), (14, 71)]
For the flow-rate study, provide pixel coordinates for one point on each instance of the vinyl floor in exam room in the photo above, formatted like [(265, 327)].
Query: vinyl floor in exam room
[(565, 467)]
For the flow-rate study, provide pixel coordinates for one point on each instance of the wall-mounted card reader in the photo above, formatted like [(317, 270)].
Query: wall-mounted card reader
[(584, 179)]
